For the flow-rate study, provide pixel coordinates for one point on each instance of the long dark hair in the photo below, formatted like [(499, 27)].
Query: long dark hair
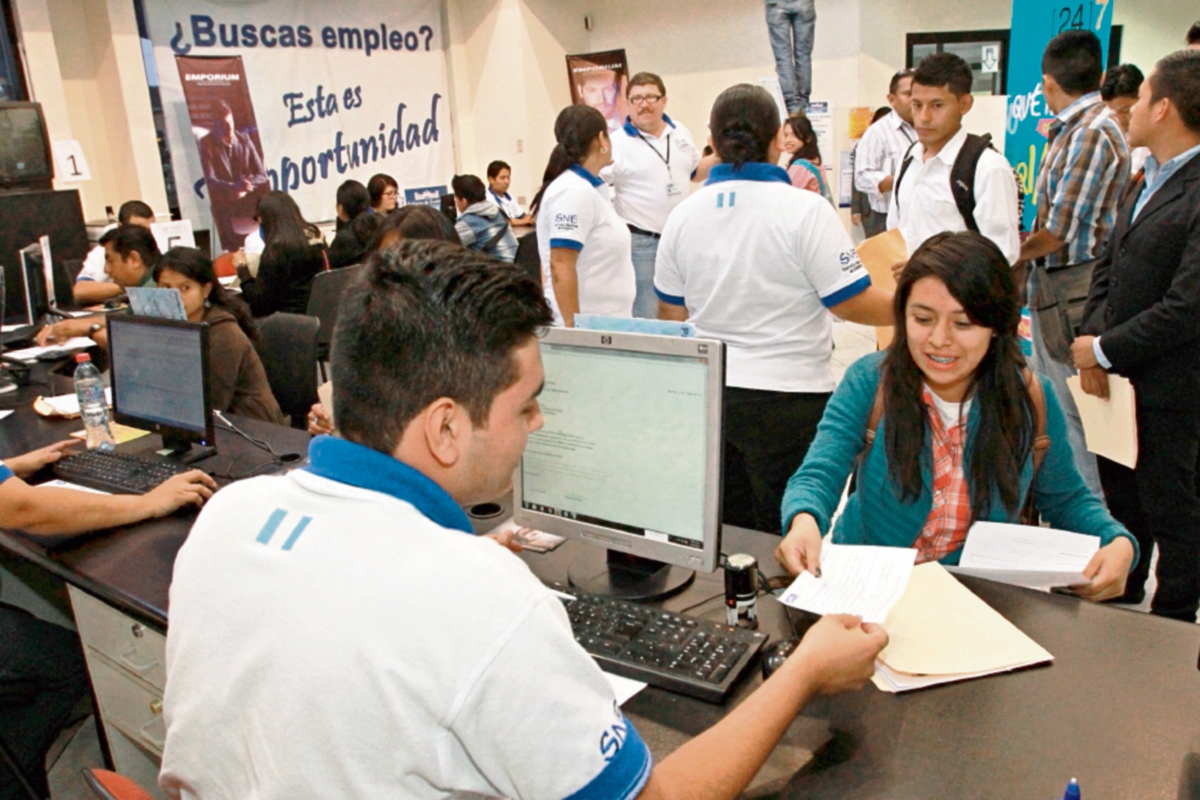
[(802, 129), (744, 121), (195, 266), (574, 130), (978, 276), (285, 231)]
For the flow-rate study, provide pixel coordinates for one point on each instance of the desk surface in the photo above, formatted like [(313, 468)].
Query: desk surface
[(1119, 708)]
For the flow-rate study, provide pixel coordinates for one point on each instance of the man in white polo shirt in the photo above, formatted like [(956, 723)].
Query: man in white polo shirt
[(923, 202), (654, 158), (94, 284), (338, 632), (881, 148)]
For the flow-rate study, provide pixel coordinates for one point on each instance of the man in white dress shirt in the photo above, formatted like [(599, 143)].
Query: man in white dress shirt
[(923, 202), (654, 160), (881, 148)]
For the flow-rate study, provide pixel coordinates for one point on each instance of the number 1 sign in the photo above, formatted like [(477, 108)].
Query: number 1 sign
[(70, 165)]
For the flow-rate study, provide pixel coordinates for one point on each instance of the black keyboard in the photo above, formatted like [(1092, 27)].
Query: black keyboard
[(114, 472), (672, 651)]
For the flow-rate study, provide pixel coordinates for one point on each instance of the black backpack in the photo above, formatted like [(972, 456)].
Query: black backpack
[(962, 175)]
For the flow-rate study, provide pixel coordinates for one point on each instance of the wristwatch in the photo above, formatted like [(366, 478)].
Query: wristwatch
[(94, 328)]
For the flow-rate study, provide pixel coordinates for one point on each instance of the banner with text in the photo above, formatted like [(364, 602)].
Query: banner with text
[(1034, 24), (333, 91)]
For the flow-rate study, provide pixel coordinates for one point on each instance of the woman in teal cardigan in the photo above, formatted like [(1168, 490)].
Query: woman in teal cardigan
[(957, 416)]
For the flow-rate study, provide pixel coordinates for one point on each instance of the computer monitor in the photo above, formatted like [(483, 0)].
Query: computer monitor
[(24, 145), (629, 458), (38, 271), (160, 381)]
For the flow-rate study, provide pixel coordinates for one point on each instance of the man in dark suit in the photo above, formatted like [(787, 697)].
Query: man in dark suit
[(234, 174), (1142, 321)]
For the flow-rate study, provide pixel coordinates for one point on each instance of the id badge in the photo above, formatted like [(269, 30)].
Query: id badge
[(673, 189)]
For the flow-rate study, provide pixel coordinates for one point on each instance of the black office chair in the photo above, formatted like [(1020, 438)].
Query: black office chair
[(19, 693), (324, 296), (287, 346), (527, 256)]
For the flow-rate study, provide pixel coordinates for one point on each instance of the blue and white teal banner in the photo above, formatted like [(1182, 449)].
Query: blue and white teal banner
[(1034, 24)]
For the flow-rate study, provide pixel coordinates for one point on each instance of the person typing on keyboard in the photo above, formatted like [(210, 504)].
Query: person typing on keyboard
[(45, 659), (338, 631), (53, 510)]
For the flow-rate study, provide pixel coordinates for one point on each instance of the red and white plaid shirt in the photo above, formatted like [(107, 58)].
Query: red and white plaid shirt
[(945, 528)]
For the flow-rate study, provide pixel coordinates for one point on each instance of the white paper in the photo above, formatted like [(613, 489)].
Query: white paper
[(57, 484), (11, 328), (855, 579), (623, 688), (30, 353), (72, 166), (4, 414), (176, 233), (1039, 558), (68, 404), (888, 680)]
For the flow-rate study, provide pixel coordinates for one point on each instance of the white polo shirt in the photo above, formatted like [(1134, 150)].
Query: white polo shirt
[(924, 204), (507, 204), (650, 175), (576, 214), (758, 263), (339, 632), (94, 268)]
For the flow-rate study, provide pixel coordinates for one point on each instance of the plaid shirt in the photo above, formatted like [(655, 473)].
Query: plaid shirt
[(945, 528), (1083, 176)]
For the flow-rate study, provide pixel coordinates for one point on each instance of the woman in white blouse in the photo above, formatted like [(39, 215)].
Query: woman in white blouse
[(587, 267)]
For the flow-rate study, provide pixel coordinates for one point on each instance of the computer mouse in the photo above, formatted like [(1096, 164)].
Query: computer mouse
[(775, 654)]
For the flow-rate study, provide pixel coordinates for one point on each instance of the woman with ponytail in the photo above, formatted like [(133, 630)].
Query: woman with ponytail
[(587, 266), (946, 428), (758, 263)]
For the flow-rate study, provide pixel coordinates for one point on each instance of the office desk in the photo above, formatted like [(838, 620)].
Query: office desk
[(1119, 708)]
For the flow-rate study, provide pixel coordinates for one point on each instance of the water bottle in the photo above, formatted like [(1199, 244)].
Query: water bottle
[(93, 405)]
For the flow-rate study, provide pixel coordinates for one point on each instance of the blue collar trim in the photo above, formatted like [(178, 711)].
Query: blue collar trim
[(754, 171), (587, 176), (632, 130), (358, 465), (506, 195)]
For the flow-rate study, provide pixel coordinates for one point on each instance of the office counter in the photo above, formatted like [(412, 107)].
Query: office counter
[(1119, 708)]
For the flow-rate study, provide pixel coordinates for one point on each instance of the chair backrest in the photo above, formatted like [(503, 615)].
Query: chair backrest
[(527, 256), (325, 295), (111, 786), (287, 346)]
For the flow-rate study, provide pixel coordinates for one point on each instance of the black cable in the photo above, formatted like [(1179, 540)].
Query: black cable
[(231, 473), (259, 443)]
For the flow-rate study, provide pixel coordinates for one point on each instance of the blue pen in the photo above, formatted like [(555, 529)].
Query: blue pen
[(1072, 792)]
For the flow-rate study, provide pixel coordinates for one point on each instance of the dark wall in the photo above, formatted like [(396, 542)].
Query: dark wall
[(26, 216)]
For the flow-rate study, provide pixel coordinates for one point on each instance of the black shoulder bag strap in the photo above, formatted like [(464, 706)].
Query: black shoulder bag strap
[(962, 177), (491, 243), (903, 169)]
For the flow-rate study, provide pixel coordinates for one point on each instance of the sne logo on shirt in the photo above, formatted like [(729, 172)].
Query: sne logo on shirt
[(566, 222), (850, 261)]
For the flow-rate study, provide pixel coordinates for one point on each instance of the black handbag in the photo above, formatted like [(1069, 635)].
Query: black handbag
[(1059, 301)]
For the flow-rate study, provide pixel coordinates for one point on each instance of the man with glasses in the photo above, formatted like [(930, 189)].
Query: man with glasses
[(654, 160)]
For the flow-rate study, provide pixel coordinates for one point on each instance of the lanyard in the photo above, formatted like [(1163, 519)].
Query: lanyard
[(666, 160)]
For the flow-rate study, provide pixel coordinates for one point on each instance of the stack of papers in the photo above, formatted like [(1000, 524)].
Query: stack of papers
[(67, 405), (1038, 558), (855, 579), (31, 353), (940, 632)]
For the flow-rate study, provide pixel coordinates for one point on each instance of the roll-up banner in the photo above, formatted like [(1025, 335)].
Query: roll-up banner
[(1034, 24), (325, 92), (599, 80)]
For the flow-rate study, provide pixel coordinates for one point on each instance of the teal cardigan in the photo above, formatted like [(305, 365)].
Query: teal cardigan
[(875, 514)]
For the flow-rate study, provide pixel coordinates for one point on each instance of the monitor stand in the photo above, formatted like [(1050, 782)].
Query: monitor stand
[(181, 450), (626, 576)]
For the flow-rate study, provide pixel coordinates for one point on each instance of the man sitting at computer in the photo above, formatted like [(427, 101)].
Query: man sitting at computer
[(94, 284), (40, 663), (360, 642), (131, 253)]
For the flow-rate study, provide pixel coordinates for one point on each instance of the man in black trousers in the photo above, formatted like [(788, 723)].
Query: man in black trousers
[(1142, 321)]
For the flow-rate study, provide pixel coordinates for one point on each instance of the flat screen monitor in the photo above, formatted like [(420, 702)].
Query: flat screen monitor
[(629, 457), (160, 380), (24, 145)]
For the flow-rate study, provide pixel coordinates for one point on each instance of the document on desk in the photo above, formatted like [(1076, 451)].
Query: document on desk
[(4, 414), (59, 484), (1109, 426), (855, 579), (941, 632), (1039, 558), (31, 353), (67, 405)]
